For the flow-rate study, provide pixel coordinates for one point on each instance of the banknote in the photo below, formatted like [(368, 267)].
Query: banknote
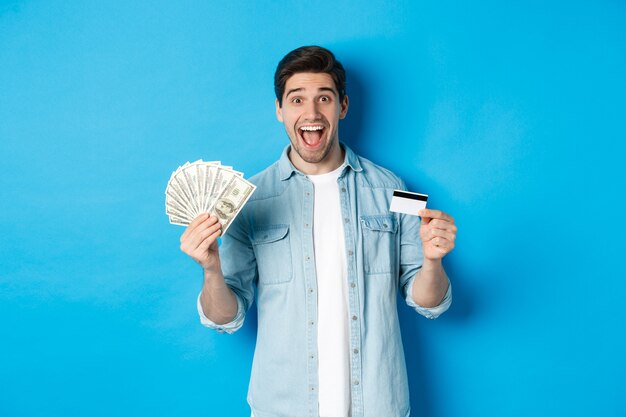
[(206, 187), (222, 179), (231, 200)]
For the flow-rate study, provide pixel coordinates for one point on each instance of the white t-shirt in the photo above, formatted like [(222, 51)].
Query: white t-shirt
[(332, 297)]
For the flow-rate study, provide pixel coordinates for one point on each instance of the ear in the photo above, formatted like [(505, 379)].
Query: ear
[(279, 112), (344, 107)]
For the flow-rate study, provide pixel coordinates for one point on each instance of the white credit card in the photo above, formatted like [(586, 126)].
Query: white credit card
[(407, 202)]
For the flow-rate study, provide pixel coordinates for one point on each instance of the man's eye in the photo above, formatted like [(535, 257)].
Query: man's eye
[(296, 100), (324, 98)]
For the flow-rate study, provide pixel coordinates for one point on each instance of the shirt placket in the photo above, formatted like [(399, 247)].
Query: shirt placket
[(311, 295), (353, 300)]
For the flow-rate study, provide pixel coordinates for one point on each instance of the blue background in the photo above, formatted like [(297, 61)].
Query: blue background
[(511, 117)]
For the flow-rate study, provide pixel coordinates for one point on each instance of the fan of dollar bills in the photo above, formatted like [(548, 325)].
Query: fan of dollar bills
[(206, 187)]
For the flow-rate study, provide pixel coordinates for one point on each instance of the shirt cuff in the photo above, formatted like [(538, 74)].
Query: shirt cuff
[(429, 312), (230, 327)]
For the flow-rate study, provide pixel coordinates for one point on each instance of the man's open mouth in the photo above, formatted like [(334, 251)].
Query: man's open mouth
[(312, 134)]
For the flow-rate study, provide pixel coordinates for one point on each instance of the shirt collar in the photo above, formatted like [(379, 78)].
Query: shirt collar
[(286, 168)]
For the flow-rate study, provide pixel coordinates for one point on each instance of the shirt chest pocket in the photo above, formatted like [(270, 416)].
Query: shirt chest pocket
[(273, 253), (379, 243)]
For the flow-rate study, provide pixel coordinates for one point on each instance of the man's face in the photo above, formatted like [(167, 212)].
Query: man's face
[(311, 112)]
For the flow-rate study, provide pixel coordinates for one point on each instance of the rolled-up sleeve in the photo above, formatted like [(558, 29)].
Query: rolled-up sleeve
[(428, 312), (240, 272), (230, 327)]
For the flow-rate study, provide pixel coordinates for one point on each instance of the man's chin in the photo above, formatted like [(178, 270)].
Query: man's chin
[(312, 156)]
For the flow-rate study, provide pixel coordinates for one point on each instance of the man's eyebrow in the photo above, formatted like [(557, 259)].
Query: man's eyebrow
[(295, 90), (332, 90)]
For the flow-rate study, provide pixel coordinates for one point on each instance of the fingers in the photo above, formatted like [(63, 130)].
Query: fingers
[(191, 227), (197, 235), (441, 234), (443, 245), (443, 225), (439, 231), (205, 234), (428, 214), (209, 240), (441, 239), (197, 240)]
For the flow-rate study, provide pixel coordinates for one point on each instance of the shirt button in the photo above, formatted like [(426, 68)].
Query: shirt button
[(350, 253), (352, 284), (346, 220), (356, 382), (307, 258), (353, 317), (311, 323), (384, 225), (311, 290), (306, 225), (355, 351), (343, 189)]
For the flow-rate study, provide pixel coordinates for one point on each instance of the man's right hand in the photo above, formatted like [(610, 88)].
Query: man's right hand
[(199, 241)]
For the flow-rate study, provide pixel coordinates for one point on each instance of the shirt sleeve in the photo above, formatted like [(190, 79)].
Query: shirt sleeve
[(240, 272), (230, 327), (428, 312), (411, 258)]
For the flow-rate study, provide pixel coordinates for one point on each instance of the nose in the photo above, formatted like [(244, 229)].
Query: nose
[(311, 110)]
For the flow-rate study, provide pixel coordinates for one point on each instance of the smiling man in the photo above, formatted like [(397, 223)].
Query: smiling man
[(323, 257), (310, 110)]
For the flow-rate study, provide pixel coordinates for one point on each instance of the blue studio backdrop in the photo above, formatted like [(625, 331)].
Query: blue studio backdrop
[(511, 116)]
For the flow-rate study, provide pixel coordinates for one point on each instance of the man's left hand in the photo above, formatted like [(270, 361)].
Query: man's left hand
[(438, 233)]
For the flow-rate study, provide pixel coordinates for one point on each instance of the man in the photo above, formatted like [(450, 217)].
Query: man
[(318, 249)]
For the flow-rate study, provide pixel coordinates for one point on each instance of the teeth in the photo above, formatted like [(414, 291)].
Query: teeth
[(311, 128)]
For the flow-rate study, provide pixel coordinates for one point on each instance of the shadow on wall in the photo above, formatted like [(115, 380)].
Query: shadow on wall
[(352, 126), (424, 394)]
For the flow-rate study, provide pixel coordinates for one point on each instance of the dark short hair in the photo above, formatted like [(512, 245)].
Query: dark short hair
[(309, 59)]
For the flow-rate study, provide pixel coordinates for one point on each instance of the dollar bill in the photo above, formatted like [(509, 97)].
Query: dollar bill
[(191, 181), (179, 193), (206, 187), (211, 172), (179, 221), (175, 208), (223, 178), (231, 200)]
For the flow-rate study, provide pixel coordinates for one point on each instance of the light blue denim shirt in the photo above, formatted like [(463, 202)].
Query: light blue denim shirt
[(267, 256)]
